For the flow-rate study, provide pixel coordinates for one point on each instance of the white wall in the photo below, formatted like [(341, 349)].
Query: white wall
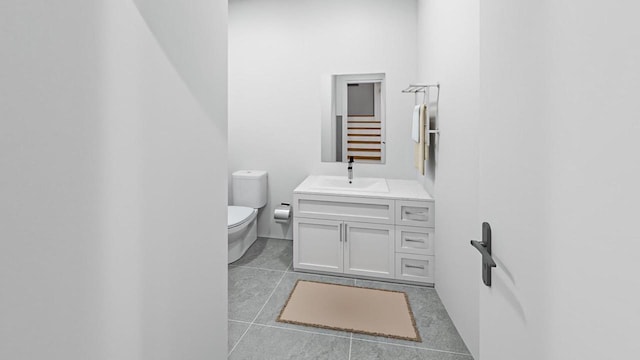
[(448, 44), (572, 68), (514, 187), (167, 149), (113, 182), (281, 55), (576, 69), (51, 167), (592, 83)]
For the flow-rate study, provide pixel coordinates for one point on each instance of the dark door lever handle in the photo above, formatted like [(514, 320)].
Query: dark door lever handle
[(486, 257), (484, 247)]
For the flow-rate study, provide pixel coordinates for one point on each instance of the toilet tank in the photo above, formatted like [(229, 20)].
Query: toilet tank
[(249, 188)]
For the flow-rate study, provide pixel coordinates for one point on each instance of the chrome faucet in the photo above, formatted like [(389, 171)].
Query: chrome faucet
[(350, 169)]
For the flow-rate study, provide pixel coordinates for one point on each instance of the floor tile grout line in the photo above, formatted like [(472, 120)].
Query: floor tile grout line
[(269, 298), (238, 342), (428, 288), (257, 268), (376, 283), (322, 275), (300, 330), (258, 314), (253, 322), (359, 339), (399, 284), (267, 238), (351, 337), (413, 347)]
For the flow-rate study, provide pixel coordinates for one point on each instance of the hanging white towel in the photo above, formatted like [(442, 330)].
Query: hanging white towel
[(415, 124), (424, 118), (427, 137), (421, 152)]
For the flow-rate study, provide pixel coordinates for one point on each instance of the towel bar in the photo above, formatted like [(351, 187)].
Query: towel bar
[(424, 88)]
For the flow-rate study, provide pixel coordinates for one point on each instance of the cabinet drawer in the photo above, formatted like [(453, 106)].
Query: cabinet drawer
[(412, 267), (415, 213), (412, 240), (380, 211)]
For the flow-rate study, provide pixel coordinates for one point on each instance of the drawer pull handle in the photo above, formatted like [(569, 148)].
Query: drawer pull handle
[(419, 213), (414, 266), (416, 215), (413, 240)]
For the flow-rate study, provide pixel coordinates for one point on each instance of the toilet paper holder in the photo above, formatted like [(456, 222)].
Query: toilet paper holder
[(282, 213)]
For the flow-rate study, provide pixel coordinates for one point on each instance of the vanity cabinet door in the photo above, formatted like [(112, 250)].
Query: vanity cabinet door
[(369, 249), (318, 245)]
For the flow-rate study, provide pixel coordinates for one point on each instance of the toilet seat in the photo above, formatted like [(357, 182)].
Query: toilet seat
[(238, 215)]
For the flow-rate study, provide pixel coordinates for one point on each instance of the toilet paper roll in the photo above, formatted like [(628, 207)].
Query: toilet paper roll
[(282, 213)]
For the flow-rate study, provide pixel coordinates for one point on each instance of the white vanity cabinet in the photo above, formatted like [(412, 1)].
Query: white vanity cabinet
[(388, 236), (344, 234)]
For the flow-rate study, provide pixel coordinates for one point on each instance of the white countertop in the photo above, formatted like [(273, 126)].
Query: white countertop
[(398, 190)]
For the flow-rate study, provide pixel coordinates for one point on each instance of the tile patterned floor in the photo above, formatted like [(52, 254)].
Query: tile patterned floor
[(259, 284)]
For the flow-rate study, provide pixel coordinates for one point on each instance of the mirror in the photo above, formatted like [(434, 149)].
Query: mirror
[(356, 124)]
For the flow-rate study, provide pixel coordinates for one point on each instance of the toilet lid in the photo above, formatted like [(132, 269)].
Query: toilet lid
[(238, 214)]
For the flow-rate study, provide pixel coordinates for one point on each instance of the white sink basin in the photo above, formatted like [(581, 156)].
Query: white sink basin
[(341, 183)]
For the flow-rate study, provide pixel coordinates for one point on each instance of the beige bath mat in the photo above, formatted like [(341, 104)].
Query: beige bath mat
[(349, 308)]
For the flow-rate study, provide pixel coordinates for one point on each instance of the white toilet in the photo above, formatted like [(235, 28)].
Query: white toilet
[(249, 195)]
